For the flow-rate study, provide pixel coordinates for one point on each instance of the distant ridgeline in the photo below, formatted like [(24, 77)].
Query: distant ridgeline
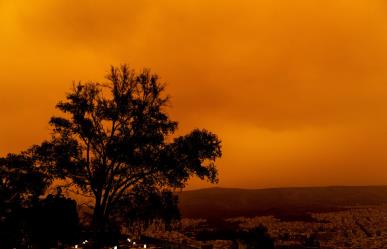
[(284, 203)]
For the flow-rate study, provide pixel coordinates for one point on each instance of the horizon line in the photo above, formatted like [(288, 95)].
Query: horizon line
[(289, 187)]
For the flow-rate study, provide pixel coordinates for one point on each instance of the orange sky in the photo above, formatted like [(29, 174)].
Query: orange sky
[(297, 90)]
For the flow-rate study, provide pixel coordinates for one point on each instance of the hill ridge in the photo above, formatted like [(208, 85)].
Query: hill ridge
[(221, 202)]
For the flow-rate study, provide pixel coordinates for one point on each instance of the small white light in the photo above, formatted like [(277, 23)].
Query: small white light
[(86, 241), (129, 240), (144, 245), (76, 246), (115, 247), (134, 242)]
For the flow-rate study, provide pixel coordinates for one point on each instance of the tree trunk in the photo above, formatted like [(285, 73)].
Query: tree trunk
[(98, 224)]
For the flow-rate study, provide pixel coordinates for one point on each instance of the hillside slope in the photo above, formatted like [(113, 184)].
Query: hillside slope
[(224, 202)]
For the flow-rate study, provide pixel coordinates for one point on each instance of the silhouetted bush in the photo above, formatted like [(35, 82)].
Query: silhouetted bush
[(43, 225)]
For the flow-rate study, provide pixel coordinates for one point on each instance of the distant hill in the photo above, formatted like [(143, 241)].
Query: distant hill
[(281, 202)]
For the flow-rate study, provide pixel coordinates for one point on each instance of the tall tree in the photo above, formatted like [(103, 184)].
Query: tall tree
[(116, 138)]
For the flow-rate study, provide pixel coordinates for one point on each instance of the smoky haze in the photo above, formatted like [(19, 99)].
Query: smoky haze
[(295, 89)]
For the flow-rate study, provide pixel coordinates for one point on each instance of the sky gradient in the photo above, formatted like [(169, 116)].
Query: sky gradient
[(296, 90)]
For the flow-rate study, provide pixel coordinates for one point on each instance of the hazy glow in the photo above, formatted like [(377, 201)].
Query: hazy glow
[(296, 89)]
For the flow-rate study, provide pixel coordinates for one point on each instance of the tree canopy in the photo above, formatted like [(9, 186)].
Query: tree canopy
[(116, 139), (21, 185), (21, 182)]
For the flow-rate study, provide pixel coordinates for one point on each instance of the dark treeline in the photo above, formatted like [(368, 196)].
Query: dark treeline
[(28, 218)]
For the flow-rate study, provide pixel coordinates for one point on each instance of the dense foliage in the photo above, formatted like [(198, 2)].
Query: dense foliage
[(115, 142)]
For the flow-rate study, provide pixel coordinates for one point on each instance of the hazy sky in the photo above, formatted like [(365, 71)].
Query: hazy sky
[(296, 89)]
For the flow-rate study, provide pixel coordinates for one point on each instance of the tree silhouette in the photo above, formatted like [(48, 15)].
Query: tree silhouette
[(20, 187), (49, 222), (117, 138), (21, 182)]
